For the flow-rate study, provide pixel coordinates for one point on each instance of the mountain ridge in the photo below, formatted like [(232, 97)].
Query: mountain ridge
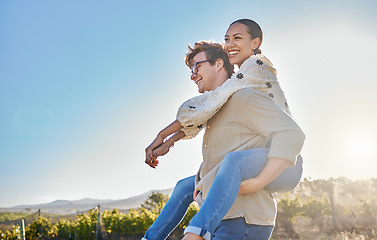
[(61, 206)]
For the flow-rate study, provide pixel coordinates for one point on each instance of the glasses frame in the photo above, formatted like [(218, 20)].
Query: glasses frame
[(194, 67)]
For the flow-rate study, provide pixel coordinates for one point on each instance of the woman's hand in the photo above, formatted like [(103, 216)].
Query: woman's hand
[(174, 127), (162, 149), (149, 159)]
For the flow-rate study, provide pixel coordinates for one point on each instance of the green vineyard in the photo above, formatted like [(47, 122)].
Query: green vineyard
[(316, 209)]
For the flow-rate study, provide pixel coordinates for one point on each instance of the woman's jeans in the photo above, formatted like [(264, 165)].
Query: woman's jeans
[(236, 167), (174, 210)]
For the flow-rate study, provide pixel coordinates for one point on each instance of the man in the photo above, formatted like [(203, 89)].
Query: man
[(247, 120)]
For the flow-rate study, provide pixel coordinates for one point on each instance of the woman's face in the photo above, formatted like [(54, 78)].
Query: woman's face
[(238, 43)]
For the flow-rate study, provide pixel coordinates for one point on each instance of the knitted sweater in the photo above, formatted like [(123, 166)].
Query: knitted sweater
[(257, 71)]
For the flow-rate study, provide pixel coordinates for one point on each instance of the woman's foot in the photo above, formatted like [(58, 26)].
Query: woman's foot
[(192, 236)]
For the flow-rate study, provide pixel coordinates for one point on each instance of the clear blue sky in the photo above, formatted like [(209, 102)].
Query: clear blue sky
[(86, 85)]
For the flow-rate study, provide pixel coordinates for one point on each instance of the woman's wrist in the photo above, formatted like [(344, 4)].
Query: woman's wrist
[(171, 140), (162, 135)]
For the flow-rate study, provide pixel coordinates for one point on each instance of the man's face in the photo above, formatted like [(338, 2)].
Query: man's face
[(205, 76)]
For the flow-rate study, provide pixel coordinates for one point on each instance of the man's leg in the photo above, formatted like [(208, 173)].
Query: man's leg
[(234, 229), (238, 229), (174, 210), (257, 232)]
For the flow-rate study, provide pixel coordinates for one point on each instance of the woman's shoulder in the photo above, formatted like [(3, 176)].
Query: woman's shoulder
[(258, 59), (258, 68)]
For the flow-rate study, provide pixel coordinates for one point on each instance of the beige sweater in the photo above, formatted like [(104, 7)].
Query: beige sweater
[(249, 119)]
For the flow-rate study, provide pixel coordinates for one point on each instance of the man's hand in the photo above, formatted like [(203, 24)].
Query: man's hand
[(249, 186), (195, 194), (273, 168)]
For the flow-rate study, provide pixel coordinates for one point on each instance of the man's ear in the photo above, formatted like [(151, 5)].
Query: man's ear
[(219, 64)]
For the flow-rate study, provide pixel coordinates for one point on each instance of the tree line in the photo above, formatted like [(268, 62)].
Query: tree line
[(329, 207)]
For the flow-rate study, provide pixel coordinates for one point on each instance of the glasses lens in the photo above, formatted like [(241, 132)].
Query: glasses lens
[(193, 69)]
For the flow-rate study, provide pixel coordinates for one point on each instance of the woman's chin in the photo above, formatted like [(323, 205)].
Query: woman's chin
[(234, 62)]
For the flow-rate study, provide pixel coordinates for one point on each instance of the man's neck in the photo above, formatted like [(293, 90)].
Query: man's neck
[(221, 78)]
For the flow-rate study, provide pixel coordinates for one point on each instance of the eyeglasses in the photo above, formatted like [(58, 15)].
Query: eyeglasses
[(194, 69)]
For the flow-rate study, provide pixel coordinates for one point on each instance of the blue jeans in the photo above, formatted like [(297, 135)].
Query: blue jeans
[(236, 167), (238, 229), (174, 210)]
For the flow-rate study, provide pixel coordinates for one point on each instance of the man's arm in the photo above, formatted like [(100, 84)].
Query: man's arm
[(273, 168), (286, 140)]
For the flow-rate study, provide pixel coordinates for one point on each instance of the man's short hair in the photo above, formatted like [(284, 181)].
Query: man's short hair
[(213, 51)]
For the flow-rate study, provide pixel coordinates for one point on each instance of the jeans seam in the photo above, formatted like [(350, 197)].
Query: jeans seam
[(246, 231), (222, 201), (171, 219)]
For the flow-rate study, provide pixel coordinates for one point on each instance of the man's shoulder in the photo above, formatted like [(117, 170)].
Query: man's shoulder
[(247, 93), (250, 96)]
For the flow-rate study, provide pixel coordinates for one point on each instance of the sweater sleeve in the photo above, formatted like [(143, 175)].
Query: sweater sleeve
[(193, 114)]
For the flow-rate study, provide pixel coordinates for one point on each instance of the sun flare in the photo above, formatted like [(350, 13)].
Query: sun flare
[(362, 146)]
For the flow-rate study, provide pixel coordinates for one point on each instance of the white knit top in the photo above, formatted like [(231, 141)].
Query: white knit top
[(257, 72)]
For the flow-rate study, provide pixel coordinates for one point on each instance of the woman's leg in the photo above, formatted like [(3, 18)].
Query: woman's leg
[(288, 179), (174, 210), (236, 167)]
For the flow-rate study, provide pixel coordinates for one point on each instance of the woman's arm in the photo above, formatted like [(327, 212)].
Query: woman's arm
[(170, 129), (165, 147)]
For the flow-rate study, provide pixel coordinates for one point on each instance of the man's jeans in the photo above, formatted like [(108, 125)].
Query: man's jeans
[(236, 167), (238, 229)]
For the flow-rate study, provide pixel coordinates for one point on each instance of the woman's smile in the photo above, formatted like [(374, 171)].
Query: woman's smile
[(233, 53)]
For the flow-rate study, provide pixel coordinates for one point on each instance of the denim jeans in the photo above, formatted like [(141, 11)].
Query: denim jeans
[(174, 210), (238, 229), (236, 167)]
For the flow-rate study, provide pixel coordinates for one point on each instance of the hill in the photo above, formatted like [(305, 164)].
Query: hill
[(83, 205)]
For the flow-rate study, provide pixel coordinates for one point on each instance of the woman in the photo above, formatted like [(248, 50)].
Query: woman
[(242, 41)]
